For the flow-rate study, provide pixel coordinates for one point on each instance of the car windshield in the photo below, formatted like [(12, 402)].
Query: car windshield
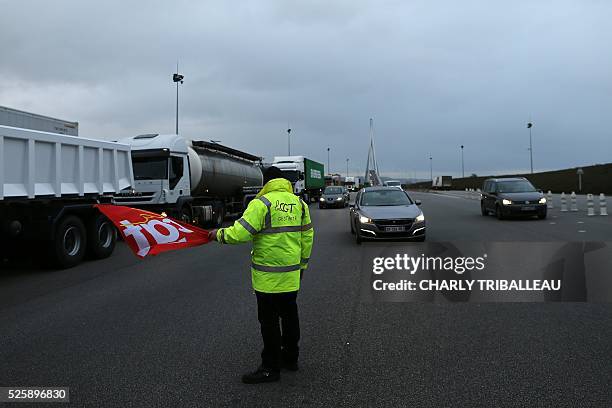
[(333, 190), (517, 186), (150, 168), (385, 198)]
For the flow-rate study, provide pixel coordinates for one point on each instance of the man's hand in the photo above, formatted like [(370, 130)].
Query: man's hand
[(212, 235)]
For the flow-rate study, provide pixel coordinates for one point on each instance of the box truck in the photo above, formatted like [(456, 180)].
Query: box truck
[(442, 183), (26, 120), (49, 183), (195, 181), (307, 176)]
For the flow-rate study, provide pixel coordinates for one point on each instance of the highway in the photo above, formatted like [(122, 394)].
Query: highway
[(180, 329)]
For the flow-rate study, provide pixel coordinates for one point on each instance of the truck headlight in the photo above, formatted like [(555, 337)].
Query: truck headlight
[(506, 202), (420, 217), (542, 200), (364, 220), (322, 199)]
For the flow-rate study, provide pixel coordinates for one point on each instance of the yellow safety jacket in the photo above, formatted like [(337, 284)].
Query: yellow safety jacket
[(278, 223)]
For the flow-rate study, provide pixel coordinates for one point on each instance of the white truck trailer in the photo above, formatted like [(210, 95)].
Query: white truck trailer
[(194, 181), (26, 120), (48, 185), (442, 183)]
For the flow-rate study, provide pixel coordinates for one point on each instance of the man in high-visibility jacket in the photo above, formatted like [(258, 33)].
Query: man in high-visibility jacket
[(278, 223)]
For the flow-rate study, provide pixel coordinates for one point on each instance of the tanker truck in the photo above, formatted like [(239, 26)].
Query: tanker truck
[(195, 181)]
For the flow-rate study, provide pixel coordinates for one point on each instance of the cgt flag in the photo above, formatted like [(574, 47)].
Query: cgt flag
[(148, 233)]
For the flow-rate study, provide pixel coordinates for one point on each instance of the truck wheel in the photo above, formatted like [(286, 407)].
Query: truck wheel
[(218, 222), (69, 244), (185, 215), (101, 237)]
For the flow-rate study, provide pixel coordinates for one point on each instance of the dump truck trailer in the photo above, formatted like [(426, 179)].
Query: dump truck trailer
[(49, 184)]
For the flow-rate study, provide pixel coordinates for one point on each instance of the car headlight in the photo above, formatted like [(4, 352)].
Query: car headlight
[(420, 217), (339, 199), (506, 202), (322, 199), (364, 220), (542, 200)]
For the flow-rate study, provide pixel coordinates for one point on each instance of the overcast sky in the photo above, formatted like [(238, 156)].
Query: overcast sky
[(432, 74)]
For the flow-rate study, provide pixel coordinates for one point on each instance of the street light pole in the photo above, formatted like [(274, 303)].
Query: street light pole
[(347, 165), (177, 78), (462, 164), (328, 166), (430, 168), (529, 126), (288, 141)]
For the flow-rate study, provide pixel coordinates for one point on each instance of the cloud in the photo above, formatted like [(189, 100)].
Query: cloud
[(433, 76)]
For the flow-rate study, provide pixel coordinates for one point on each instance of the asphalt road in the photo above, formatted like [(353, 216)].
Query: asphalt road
[(179, 329)]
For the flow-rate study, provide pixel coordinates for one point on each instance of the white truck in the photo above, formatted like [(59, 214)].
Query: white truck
[(49, 183), (352, 183), (307, 176), (26, 120), (442, 183), (195, 181)]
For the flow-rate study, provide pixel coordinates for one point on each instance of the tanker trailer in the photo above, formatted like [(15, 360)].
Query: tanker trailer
[(195, 181)]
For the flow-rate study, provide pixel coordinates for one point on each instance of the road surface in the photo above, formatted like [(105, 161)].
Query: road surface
[(180, 329)]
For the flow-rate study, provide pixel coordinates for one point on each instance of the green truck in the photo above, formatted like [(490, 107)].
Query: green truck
[(307, 176)]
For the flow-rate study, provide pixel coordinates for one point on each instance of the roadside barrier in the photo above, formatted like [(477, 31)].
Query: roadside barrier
[(573, 205), (549, 200), (603, 209), (563, 203), (478, 194), (590, 207)]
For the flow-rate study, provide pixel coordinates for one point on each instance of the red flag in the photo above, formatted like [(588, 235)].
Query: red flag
[(148, 233)]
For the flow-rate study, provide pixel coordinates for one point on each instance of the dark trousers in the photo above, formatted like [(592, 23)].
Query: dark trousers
[(278, 344)]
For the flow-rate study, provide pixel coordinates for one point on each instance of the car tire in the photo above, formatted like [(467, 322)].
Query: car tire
[(352, 227), (483, 209), (542, 215), (321, 206), (101, 237), (498, 212), (420, 239), (358, 239), (70, 243)]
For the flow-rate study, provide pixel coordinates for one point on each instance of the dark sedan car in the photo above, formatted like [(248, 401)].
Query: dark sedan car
[(386, 213), (334, 196), (506, 197)]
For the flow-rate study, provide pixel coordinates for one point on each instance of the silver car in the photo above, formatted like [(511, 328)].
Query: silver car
[(386, 213)]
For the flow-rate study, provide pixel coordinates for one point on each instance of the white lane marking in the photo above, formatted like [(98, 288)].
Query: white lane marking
[(552, 223), (579, 222), (581, 231)]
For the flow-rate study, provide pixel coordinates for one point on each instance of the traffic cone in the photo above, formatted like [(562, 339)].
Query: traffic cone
[(549, 200), (590, 208), (563, 203), (603, 209), (573, 205)]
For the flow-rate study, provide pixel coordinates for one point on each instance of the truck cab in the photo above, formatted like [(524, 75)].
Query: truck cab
[(161, 173)]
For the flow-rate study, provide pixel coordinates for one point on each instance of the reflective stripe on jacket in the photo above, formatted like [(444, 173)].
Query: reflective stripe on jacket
[(278, 223)]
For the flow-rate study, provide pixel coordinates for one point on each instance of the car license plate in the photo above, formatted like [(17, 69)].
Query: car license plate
[(394, 229), (528, 208)]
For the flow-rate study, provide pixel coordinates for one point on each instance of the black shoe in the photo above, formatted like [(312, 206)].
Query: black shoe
[(261, 375), (290, 366)]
